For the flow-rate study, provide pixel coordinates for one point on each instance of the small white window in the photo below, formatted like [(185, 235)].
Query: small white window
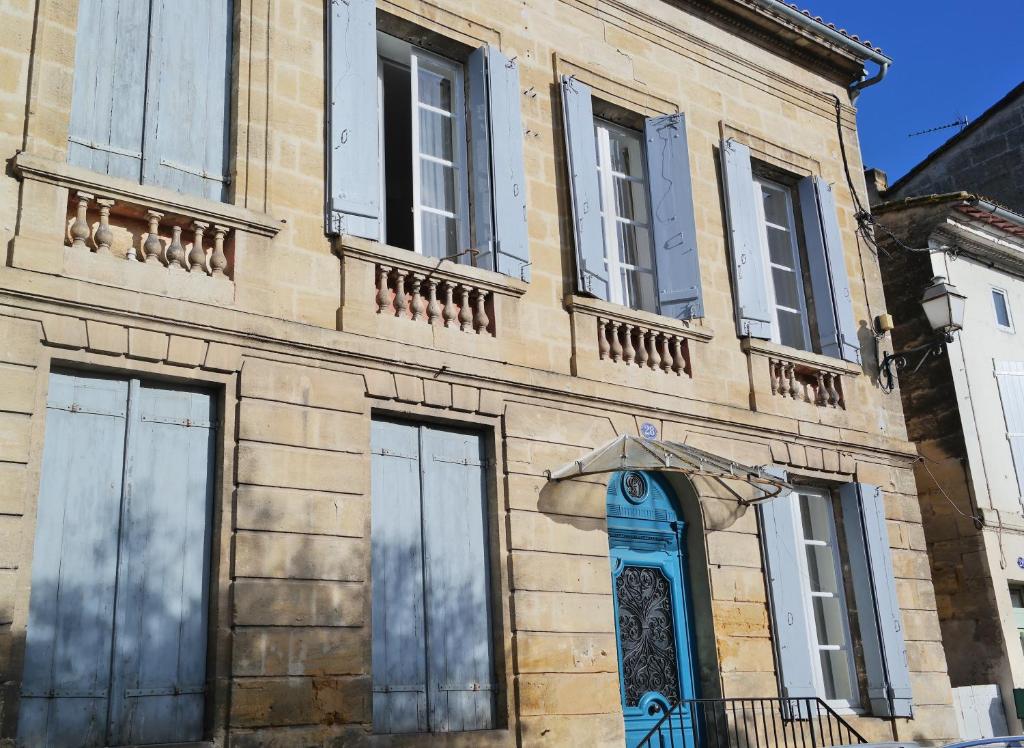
[(821, 571), (424, 184), (781, 250), (629, 252), (1002, 308)]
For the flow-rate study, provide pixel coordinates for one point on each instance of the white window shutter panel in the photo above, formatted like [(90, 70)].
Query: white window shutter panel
[(507, 170), (108, 102), (753, 314), (353, 141), (878, 610), (674, 229), (837, 327), (1010, 376), (581, 150), (185, 147), (782, 549)]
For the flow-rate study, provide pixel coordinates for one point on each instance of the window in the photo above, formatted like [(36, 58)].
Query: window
[(431, 651), (1017, 600), (425, 194), (1001, 304), (622, 181), (144, 110), (821, 571), (780, 248), (1010, 381)]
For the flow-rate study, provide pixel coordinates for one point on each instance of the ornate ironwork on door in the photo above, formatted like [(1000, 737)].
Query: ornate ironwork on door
[(647, 634)]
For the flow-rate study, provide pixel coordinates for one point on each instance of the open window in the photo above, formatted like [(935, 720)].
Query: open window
[(425, 145)]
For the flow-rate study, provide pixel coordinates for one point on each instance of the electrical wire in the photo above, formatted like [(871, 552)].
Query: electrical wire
[(978, 521)]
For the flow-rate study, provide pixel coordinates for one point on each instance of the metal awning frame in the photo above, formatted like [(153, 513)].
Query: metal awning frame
[(629, 452)]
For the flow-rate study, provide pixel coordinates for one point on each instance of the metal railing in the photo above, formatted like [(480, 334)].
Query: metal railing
[(751, 723)]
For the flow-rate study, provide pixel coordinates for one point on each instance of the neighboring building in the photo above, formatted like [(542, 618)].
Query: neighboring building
[(985, 158), (965, 411), (268, 480)]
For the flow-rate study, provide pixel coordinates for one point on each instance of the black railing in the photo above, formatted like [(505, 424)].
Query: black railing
[(751, 723)]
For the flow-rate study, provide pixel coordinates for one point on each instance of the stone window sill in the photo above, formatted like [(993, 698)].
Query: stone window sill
[(795, 355), (782, 377)]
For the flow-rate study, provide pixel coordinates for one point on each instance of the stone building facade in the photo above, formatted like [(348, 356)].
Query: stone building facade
[(247, 354)]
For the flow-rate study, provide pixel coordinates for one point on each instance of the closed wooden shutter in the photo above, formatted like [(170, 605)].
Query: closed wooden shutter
[(581, 151), (749, 274), (837, 328), (675, 233), (455, 560), (159, 675), (398, 654), (116, 643), (783, 548), (1010, 376), (878, 611), (108, 101), (188, 97), (353, 142)]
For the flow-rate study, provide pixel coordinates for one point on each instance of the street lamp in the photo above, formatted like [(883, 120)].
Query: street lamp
[(944, 307)]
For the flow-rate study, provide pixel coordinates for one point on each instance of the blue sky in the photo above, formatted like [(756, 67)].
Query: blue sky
[(950, 58)]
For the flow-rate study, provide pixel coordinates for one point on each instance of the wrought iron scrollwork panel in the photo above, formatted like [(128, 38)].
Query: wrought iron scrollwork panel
[(647, 634)]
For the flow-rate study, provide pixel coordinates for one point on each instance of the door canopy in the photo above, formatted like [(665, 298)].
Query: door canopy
[(637, 453)]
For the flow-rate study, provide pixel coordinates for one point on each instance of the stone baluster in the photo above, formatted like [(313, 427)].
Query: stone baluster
[(834, 399), (401, 303), (152, 247), (678, 360), (480, 318), (631, 353), (450, 313), (197, 255), (104, 237), (218, 260), (433, 305), (653, 357), (616, 344), (666, 357), (603, 348), (465, 313), (791, 380), (820, 391), (174, 256), (80, 228), (383, 298), (773, 375), (416, 306)]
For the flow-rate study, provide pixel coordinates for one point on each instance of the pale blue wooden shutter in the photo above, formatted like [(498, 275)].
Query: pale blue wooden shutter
[(480, 178), (353, 142), (398, 654), (878, 611), (783, 551), (675, 233), (188, 96), (837, 328), (459, 647), (753, 314), (1010, 377), (581, 151), (158, 681), (65, 682), (109, 96)]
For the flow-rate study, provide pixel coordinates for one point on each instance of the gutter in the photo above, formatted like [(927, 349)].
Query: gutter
[(854, 47)]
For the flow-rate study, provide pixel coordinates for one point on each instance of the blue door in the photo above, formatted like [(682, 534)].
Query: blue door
[(649, 584)]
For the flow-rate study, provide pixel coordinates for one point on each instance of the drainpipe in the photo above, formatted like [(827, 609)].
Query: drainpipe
[(821, 29)]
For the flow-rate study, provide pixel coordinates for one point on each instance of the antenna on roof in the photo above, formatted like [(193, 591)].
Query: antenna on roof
[(961, 121)]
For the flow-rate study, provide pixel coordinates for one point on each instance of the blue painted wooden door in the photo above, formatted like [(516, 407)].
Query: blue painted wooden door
[(655, 645), (116, 642)]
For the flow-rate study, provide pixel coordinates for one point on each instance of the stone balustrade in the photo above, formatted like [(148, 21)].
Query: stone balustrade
[(638, 344), (137, 232), (434, 299), (805, 383)]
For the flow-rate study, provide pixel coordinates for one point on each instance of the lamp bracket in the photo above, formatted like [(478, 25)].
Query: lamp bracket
[(894, 362)]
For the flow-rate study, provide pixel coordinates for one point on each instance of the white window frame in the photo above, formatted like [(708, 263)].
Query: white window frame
[(797, 268), (845, 705), (995, 309), (403, 53), (610, 221)]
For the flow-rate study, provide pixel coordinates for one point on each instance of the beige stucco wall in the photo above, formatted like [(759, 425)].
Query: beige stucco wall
[(301, 360)]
